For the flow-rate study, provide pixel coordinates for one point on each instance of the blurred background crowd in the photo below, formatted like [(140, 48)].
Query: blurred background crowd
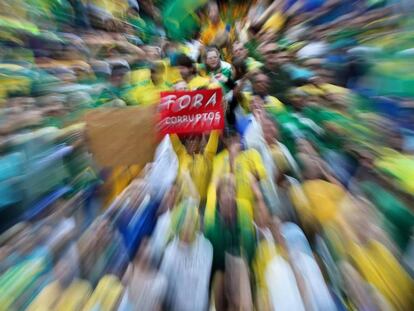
[(304, 201)]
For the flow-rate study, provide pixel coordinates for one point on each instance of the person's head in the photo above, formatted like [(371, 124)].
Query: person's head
[(309, 159), (193, 144), (157, 72), (119, 71), (213, 12), (239, 50), (170, 48), (232, 141), (240, 68), (260, 84), (133, 10), (226, 198), (212, 58), (297, 98), (64, 271), (101, 69), (186, 66), (188, 222), (180, 86), (269, 52), (153, 53)]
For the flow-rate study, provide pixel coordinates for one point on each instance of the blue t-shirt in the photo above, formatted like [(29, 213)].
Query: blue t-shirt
[(308, 6), (337, 11)]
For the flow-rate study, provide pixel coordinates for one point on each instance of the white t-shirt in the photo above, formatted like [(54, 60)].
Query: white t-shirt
[(318, 293), (284, 293), (146, 290), (188, 269), (160, 237)]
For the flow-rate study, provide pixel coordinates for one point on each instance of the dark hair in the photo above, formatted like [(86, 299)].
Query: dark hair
[(185, 61), (240, 66), (230, 133), (119, 69), (256, 74), (156, 67)]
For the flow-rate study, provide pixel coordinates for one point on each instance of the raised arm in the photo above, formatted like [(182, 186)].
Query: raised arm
[(211, 148), (179, 148)]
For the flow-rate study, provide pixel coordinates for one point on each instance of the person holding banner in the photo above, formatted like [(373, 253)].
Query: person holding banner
[(196, 161)]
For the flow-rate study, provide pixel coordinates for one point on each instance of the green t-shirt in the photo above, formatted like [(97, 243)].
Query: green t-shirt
[(237, 239), (398, 220)]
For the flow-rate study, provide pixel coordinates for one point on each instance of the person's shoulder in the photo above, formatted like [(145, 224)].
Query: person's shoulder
[(272, 101), (171, 249), (247, 95), (250, 154), (199, 82), (253, 64), (242, 202), (225, 65), (205, 244)]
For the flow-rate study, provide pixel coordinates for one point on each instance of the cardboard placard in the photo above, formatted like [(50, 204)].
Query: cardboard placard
[(190, 112), (122, 136)]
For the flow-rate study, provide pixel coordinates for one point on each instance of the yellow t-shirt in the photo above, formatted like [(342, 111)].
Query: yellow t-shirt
[(75, 296), (323, 89), (140, 75), (317, 200), (106, 294), (117, 8), (381, 269), (199, 82), (398, 165), (120, 178), (47, 298), (275, 22), (198, 165), (271, 104), (247, 163), (147, 93)]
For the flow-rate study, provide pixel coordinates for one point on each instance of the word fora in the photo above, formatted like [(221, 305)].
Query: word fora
[(193, 119), (175, 104)]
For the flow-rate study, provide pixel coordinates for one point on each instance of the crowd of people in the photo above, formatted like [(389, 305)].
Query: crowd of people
[(302, 202)]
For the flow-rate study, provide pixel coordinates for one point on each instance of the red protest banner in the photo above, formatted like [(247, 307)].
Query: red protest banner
[(185, 112)]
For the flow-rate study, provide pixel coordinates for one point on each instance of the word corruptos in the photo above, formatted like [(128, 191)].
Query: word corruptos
[(190, 112), (194, 118)]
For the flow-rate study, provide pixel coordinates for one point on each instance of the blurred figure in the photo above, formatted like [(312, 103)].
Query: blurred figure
[(232, 236), (260, 87), (218, 70), (197, 159), (149, 92), (241, 163), (188, 73), (147, 288), (214, 32), (114, 94), (188, 260)]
